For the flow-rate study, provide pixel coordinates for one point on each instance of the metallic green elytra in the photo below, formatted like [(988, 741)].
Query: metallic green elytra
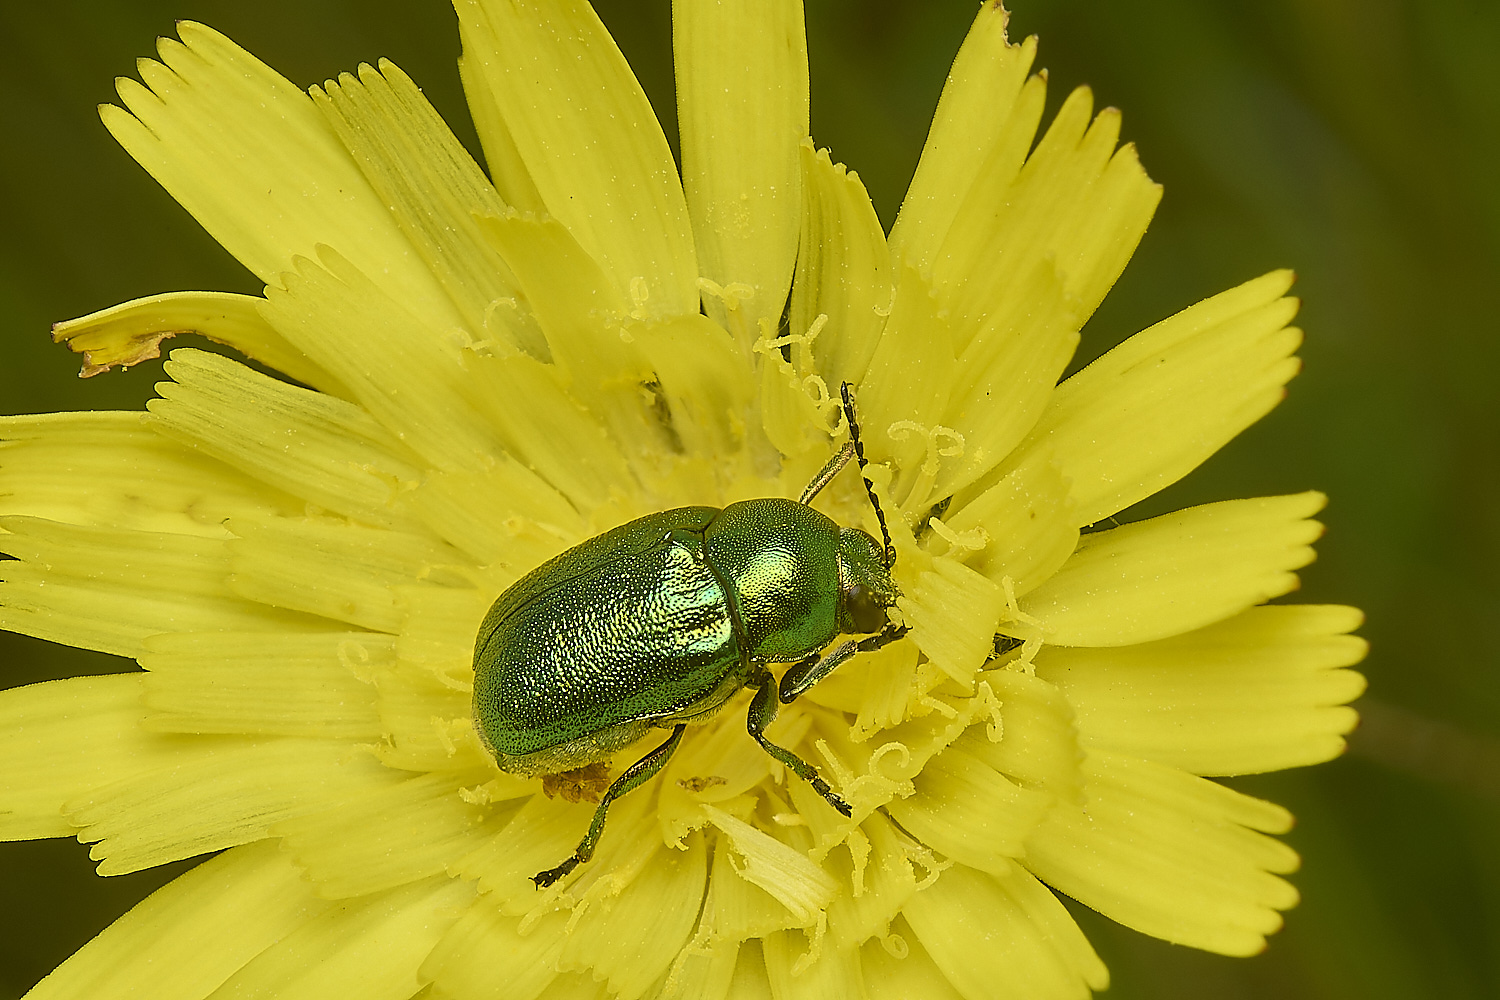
[(657, 623)]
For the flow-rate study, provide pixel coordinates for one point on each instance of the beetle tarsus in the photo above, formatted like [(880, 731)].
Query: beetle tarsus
[(833, 798), (884, 638), (546, 878)]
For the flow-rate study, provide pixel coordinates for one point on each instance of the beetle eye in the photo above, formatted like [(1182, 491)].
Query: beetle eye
[(865, 609)]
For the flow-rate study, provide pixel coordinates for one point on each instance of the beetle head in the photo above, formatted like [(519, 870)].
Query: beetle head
[(865, 586)]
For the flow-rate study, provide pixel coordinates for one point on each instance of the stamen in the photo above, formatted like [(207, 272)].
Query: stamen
[(732, 295), (815, 945), (972, 540), (859, 856), (443, 729), (994, 728), (919, 494), (887, 749), (356, 659)]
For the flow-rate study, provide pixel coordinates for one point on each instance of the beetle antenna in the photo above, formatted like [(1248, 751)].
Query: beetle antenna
[(846, 391)]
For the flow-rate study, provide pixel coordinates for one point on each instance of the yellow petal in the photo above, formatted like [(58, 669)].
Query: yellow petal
[(129, 333), (824, 972), (581, 314), (1177, 572), (389, 835), (843, 269), (782, 871), (1005, 936), (878, 770), (545, 427), (899, 968), (62, 738), (952, 612), (1258, 692), (742, 108), (1077, 200), (969, 812), (574, 986), (325, 567), (706, 383), (539, 836), (502, 159), (749, 980), (884, 689), (590, 141), (881, 877), (306, 684), (438, 634), (976, 113), (435, 191), (1006, 374), (906, 388), (701, 972), (565, 286), (1038, 743), (136, 478), (486, 514), (486, 956), (306, 443), (712, 751), (365, 949), (426, 717), (1170, 855), (737, 909), (249, 156), (173, 946), (1151, 410), (229, 792), (401, 365), (660, 907), (1028, 523), (1098, 239), (792, 400), (103, 589)]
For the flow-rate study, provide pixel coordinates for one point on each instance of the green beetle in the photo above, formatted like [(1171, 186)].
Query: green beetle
[(657, 623)]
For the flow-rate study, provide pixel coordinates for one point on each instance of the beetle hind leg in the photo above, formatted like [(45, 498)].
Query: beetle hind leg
[(762, 714), (635, 775)]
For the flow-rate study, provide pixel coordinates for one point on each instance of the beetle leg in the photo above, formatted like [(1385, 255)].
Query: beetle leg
[(762, 714), (635, 775), (805, 673), (885, 637)]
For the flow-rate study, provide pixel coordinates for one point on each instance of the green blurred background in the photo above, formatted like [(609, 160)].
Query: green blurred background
[(1358, 142)]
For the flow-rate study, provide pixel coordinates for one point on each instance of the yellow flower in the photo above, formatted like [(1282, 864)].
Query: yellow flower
[(504, 366)]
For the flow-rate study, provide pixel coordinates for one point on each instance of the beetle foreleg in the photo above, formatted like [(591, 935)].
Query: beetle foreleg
[(885, 637), (635, 775), (805, 673), (762, 714)]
